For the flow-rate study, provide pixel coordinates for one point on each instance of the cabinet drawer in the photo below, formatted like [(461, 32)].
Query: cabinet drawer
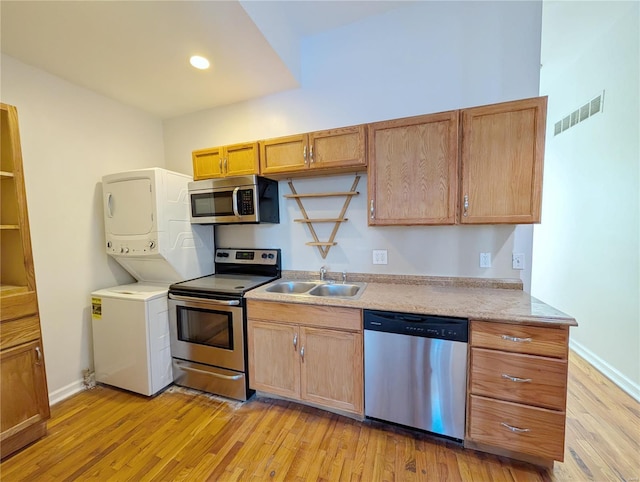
[(18, 306), (518, 428), (534, 340), (17, 332), (521, 378), (349, 319)]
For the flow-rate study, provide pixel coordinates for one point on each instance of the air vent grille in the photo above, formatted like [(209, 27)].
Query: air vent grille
[(590, 108)]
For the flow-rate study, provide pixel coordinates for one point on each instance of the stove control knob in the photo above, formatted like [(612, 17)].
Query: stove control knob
[(152, 244), (108, 244), (271, 256), (264, 255), (126, 250)]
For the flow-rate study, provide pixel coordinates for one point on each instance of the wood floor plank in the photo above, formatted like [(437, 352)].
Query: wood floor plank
[(183, 435)]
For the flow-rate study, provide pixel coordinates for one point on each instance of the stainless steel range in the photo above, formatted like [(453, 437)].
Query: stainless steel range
[(208, 322)]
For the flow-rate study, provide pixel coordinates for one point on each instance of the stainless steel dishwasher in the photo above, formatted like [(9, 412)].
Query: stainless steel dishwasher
[(415, 370)]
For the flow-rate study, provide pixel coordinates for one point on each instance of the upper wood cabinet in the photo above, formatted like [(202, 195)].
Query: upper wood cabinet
[(322, 152), (481, 165), (234, 160), (23, 386), (502, 151), (413, 165)]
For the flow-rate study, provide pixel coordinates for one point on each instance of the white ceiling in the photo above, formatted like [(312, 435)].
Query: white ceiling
[(137, 52)]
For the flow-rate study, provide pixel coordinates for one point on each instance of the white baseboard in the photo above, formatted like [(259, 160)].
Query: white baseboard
[(66, 392), (607, 370)]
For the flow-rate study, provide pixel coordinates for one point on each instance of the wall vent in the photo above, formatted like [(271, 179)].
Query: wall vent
[(590, 108)]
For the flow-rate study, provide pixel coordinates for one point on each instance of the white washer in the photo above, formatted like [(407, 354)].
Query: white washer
[(131, 346)]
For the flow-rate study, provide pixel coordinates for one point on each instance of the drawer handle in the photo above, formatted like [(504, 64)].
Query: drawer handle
[(295, 341), (515, 429), (516, 339), (516, 379)]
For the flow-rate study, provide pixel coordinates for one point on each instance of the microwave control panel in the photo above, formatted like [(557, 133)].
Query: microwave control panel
[(245, 202)]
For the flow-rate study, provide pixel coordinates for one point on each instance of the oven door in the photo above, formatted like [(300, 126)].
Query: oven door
[(206, 331)]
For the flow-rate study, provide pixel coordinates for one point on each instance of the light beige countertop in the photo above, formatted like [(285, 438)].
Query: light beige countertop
[(473, 298)]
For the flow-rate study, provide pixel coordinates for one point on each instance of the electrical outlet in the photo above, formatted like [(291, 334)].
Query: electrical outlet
[(517, 261), (485, 260), (379, 256)]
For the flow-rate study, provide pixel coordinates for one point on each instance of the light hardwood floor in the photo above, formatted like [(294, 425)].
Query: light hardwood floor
[(107, 434)]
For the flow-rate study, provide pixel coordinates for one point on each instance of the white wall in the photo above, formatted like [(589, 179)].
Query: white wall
[(71, 137), (428, 57), (586, 251)]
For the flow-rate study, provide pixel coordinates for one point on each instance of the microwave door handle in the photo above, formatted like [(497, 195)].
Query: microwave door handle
[(234, 201)]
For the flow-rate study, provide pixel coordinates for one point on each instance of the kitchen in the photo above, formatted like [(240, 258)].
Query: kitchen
[(121, 138)]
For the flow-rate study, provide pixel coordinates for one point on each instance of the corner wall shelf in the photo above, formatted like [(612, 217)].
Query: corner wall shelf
[(323, 246)]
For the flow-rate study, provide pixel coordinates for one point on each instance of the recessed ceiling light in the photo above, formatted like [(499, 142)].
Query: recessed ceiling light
[(199, 62)]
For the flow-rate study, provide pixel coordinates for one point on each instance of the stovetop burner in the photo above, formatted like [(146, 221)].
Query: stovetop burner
[(237, 271)]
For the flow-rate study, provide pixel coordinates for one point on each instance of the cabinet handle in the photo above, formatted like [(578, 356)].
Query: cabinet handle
[(226, 170), (220, 165), (302, 353), (304, 154), (516, 339), (466, 205), (515, 429), (38, 356), (516, 379), (311, 153), (371, 209), (295, 341)]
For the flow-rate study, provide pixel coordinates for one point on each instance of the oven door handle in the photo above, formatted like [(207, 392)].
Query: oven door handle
[(234, 201), (204, 300), (190, 369)]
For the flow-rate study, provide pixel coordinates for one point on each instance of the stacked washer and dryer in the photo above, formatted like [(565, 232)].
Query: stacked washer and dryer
[(148, 231)]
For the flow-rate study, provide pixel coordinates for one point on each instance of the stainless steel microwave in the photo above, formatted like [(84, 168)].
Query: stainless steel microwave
[(234, 200)]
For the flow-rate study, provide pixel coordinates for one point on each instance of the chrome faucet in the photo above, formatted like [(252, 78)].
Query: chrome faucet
[(344, 277), (323, 272)]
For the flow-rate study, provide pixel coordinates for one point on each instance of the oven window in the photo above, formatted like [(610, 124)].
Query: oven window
[(212, 204), (205, 327)]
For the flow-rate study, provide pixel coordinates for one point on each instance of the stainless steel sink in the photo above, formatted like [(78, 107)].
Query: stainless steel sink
[(318, 288), (335, 290), (294, 287)]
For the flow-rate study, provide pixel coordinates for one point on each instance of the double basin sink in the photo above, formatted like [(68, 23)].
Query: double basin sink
[(318, 288)]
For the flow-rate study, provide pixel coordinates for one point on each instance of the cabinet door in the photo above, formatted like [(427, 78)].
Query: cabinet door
[(337, 148), (332, 373), (207, 163), (241, 159), (274, 364), (284, 154), (25, 401), (413, 170), (502, 157)]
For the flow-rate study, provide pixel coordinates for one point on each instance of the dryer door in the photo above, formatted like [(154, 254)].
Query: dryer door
[(128, 207)]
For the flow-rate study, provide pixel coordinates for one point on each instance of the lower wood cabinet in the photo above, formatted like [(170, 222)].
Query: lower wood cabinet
[(25, 403), (308, 353), (518, 390)]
